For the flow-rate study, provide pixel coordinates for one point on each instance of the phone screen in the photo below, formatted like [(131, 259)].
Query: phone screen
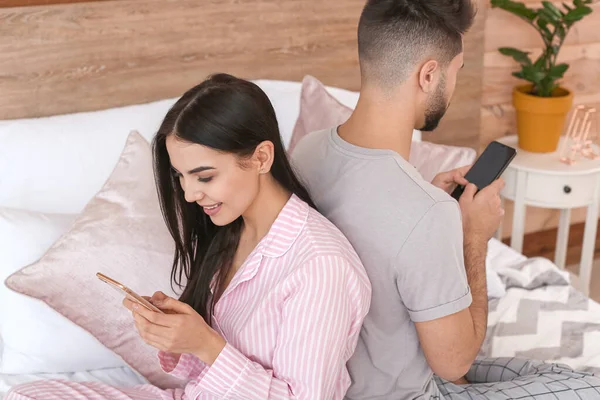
[(490, 164), (488, 167)]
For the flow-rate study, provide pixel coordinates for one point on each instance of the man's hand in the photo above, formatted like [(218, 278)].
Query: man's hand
[(448, 180), (461, 381), (482, 213)]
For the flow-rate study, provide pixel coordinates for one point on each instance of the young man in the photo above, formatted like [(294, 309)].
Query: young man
[(423, 251)]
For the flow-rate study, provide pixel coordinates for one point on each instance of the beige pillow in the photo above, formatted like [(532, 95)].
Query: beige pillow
[(120, 233), (320, 110)]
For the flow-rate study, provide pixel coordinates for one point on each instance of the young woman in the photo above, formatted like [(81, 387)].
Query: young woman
[(274, 294)]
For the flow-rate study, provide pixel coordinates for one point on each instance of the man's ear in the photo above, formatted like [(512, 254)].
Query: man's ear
[(428, 75)]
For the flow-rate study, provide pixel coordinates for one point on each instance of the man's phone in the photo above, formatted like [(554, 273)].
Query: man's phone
[(488, 167), (130, 294)]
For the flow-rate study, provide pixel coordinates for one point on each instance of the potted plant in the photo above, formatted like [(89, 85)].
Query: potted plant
[(542, 105)]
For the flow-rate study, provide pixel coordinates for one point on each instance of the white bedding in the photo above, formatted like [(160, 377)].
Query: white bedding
[(543, 317), (113, 376), (553, 323)]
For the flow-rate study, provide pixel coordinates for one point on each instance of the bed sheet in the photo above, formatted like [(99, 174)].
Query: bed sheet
[(123, 376)]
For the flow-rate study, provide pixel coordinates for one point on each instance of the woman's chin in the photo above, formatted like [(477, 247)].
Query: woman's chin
[(217, 222), (221, 220)]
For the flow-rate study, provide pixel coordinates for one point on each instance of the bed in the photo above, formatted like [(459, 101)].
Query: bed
[(78, 77)]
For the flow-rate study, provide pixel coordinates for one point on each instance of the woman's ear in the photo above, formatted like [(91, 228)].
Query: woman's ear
[(264, 156)]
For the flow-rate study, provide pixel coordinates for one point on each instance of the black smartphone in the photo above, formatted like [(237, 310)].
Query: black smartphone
[(488, 167)]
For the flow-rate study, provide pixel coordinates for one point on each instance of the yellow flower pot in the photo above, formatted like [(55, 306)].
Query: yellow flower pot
[(541, 120)]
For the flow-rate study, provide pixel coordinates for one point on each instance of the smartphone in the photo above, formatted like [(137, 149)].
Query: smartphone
[(130, 294), (488, 167)]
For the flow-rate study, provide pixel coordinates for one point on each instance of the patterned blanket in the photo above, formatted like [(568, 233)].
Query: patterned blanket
[(543, 317)]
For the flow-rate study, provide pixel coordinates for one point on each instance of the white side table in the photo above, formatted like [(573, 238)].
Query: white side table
[(541, 180)]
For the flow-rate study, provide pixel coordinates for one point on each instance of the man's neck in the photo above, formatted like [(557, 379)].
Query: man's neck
[(378, 124)]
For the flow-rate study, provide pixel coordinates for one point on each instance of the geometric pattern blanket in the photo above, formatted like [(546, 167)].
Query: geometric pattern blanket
[(543, 317)]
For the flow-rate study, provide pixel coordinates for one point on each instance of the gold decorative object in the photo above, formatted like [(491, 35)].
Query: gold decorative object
[(579, 140)]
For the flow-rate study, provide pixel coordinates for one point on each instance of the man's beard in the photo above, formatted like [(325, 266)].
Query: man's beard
[(435, 109)]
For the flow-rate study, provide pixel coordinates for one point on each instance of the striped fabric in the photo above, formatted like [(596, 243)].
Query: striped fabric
[(291, 317)]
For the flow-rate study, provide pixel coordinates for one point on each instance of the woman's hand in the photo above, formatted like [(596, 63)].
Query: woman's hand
[(180, 330)]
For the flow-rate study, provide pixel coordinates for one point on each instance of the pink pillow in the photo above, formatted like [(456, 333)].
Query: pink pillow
[(431, 158), (120, 233), (320, 110)]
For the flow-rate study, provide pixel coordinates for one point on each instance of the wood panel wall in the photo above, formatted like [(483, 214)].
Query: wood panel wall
[(63, 58), (27, 3), (581, 50)]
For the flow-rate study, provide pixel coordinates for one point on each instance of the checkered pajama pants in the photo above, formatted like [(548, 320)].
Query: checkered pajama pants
[(513, 378)]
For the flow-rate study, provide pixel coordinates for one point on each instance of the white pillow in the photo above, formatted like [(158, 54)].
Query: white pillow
[(57, 164), (37, 339)]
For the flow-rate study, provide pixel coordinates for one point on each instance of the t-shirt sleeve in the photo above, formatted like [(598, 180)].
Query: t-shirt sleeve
[(430, 269)]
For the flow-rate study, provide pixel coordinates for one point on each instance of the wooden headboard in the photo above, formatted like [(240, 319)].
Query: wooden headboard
[(91, 55)]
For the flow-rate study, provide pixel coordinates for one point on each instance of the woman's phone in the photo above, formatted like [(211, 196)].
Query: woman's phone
[(488, 167), (130, 294)]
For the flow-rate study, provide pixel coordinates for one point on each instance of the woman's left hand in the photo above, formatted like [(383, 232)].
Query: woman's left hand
[(180, 330)]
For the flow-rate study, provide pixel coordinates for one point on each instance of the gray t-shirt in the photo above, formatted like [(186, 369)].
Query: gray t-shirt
[(408, 234)]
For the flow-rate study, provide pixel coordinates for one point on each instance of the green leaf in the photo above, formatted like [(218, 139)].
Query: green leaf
[(577, 14), (557, 71), (553, 9), (518, 9), (567, 7), (542, 23), (518, 74), (549, 16), (519, 56), (533, 74)]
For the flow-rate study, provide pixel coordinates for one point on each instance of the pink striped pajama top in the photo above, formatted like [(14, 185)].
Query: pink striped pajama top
[(291, 317)]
